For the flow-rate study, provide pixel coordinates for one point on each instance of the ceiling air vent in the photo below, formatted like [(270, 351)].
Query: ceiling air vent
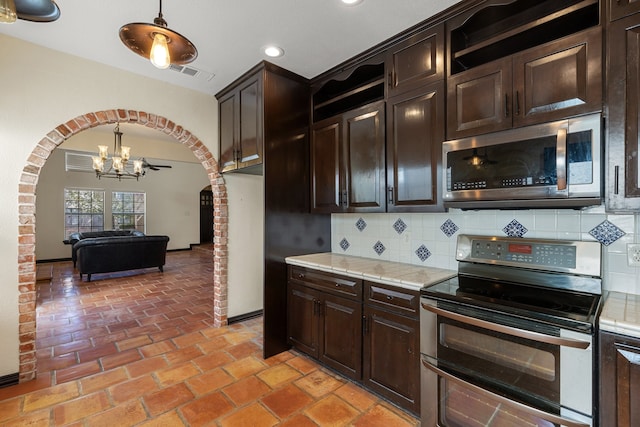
[(78, 162), (191, 71)]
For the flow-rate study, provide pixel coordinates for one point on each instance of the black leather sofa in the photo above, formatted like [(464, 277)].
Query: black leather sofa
[(120, 253), (76, 237)]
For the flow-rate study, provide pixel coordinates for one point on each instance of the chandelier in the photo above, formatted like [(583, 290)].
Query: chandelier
[(156, 42), (118, 166)]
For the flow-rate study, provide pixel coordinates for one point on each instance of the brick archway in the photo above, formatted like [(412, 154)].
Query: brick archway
[(27, 217)]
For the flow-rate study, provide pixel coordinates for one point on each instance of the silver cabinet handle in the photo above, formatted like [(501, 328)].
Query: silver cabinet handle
[(561, 159), (520, 406), (516, 332)]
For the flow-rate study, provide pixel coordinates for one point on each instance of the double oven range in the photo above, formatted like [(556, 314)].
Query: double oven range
[(510, 340)]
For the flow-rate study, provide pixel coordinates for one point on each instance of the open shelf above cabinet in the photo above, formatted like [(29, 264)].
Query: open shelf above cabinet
[(499, 30), (361, 87)]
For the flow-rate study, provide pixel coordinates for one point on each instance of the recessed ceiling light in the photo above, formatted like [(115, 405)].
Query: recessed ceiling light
[(351, 2), (273, 51)]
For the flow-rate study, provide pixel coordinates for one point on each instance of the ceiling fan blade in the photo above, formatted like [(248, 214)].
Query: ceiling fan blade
[(146, 164)]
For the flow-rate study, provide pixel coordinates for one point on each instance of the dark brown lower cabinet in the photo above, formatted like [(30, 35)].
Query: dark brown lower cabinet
[(391, 357), (302, 322), (323, 324), (373, 340), (341, 335), (619, 380)]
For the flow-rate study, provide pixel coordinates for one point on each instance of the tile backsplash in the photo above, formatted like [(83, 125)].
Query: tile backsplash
[(429, 239)]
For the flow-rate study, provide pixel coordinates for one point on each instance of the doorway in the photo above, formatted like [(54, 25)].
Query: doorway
[(206, 216)]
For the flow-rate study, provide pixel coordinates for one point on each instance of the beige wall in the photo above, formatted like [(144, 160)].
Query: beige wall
[(42, 89)]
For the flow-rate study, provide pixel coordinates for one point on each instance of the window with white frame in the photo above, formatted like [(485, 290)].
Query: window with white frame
[(83, 210), (128, 210)]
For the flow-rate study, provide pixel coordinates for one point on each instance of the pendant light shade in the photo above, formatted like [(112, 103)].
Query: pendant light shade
[(8, 13), (158, 43)]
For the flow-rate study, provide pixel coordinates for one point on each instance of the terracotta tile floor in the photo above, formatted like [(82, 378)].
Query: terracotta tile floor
[(137, 348)]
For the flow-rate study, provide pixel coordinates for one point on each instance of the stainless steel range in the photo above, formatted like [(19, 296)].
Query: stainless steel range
[(509, 341)]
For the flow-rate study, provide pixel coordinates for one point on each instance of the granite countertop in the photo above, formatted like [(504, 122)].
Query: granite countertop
[(407, 276), (621, 314)]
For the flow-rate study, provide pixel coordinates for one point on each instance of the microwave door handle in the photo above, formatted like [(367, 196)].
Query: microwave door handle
[(561, 159), (509, 330), (520, 406)]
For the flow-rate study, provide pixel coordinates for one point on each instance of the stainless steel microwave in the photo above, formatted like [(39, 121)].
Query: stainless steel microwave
[(550, 165)]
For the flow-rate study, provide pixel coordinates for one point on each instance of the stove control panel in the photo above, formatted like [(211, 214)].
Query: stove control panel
[(528, 253)]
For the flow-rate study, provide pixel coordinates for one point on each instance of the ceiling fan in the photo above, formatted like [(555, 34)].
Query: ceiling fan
[(146, 164)]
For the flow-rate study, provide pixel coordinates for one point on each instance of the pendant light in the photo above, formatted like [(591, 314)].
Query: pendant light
[(158, 43), (28, 10), (8, 11)]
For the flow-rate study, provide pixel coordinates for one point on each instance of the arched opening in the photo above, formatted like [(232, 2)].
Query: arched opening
[(27, 217)]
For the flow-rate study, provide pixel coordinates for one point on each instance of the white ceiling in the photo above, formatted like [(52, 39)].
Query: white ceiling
[(229, 34)]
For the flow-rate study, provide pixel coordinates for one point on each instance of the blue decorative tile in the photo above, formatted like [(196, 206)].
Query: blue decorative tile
[(361, 224), (344, 244), (606, 233), (449, 228), (423, 253), (515, 229), (379, 247), (399, 226)]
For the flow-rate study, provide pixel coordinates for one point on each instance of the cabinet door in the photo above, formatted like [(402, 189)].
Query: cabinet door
[(415, 132), (621, 8), (558, 80), (250, 138), (416, 61), (623, 130), (228, 132), (391, 357), (479, 100), (325, 166), (303, 314), (341, 335), (363, 148), (620, 381)]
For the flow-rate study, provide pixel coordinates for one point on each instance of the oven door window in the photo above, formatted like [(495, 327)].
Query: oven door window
[(529, 369), (462, 406), (499, 352)]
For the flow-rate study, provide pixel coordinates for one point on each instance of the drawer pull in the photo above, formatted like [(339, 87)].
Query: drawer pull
[(300, 275), (389, 297), (337, 285)]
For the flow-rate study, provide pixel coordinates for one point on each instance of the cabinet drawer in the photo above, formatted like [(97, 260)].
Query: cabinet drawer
[(332, 283), (401, 300)]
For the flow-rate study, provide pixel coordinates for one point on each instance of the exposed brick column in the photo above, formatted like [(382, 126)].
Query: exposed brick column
[(27, 217)]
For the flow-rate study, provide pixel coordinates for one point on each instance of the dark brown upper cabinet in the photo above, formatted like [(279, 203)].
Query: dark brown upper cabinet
[(257, 108), (415, 61), (241, 125), (415, 132), (621, 8), (623, 127), (522, 63), (347, 161), (351, 133)]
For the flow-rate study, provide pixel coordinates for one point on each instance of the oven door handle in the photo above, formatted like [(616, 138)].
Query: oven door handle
[(509, 330), (520, 406)]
